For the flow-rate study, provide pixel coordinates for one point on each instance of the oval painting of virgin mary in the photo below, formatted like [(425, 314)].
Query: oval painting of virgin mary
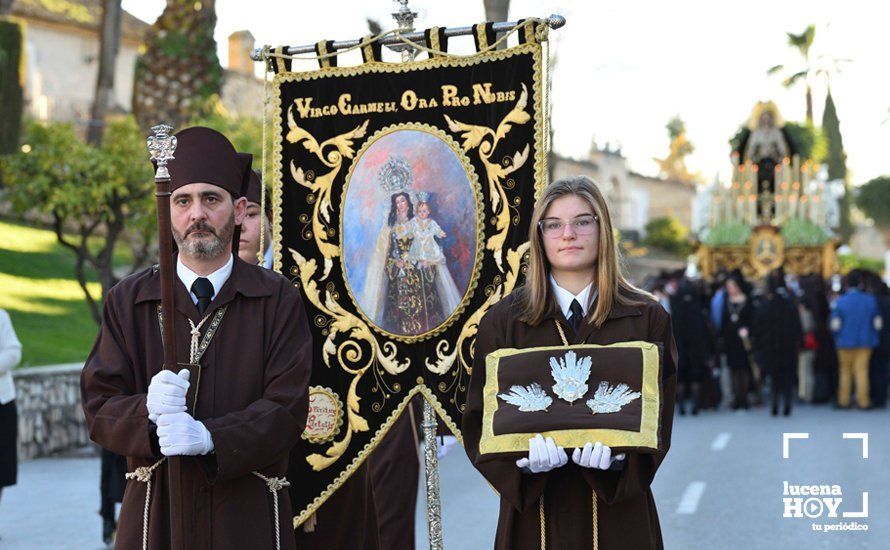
[(410, 221)]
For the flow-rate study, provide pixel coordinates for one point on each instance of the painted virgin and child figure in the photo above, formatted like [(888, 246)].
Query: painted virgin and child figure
[(408, 287)]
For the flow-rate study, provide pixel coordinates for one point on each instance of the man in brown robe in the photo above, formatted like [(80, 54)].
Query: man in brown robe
[(251, 402), (627, 517)]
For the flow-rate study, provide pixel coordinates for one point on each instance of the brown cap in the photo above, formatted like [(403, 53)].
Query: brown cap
[(254, 188), (204, 155)]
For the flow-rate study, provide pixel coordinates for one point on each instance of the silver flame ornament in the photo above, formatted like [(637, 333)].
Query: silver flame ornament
[(161, 146), (609, 399), (570, 376), (528, 398)]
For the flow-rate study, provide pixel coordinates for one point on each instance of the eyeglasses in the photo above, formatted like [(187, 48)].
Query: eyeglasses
[(582, 225)]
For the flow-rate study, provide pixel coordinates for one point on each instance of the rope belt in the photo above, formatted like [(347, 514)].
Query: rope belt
[(143, 474), (275, 484)]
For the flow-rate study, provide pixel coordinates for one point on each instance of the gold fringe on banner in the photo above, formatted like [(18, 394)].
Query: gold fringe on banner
[(371, 50), (484, 35), (323, 49)]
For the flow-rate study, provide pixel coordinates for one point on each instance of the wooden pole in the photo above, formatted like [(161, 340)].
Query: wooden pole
[(162, 145)]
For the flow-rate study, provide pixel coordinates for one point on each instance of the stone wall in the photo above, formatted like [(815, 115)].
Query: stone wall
[(50, 416)]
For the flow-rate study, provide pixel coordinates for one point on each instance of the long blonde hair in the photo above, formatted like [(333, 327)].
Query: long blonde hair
[(535, 296)]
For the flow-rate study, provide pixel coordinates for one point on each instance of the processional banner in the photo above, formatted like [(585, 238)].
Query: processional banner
[(401, 197)]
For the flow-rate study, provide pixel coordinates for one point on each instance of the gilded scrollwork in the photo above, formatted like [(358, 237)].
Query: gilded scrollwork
[(349, 353), (331, 153), (486, 140)]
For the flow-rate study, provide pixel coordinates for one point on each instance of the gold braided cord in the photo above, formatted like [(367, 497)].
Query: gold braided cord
[(541, 36), (275, 484), (562, 335), (596, 531), (143, 474), (545, 45), (543, 523)]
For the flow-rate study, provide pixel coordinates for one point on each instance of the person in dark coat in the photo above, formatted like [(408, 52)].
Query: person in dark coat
[(879, 370), (247, 329), (112, 482), (563, 498), (735, 325), (777, 339), (825, 363), (694, 346)]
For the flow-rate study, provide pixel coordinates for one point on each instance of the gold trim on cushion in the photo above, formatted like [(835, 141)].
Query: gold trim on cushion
[(646, 437)]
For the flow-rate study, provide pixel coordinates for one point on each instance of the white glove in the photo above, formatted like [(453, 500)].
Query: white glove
[(180, 434), (597, 456), (446, 444), (166, 393), (543, 455)]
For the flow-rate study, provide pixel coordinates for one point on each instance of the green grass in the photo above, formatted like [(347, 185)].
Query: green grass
[(44, 300)]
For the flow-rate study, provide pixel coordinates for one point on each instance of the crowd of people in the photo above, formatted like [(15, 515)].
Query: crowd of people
[(781, 340)]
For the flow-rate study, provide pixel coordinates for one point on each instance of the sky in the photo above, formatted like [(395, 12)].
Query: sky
[(625, 68)]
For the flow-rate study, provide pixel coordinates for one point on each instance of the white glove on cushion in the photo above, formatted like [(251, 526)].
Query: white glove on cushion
[(180, 434), (596, 456), (543, 455), (166, 393)]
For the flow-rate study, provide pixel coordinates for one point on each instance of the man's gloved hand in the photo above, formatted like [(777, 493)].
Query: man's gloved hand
[(166, 393), (597, 456), (180, 434), (543, 455)]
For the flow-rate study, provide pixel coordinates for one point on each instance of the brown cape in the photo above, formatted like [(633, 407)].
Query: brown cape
[(627, 517), (252, 399)]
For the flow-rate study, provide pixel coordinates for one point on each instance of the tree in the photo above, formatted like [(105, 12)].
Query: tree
[(836, 159), (874, 201), (95, 196), (802, 43), (667, 233), (11, 93), (673, 166), (109, 44), (179, 70)]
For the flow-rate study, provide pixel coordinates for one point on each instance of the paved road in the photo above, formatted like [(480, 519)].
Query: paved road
[(720, 487)]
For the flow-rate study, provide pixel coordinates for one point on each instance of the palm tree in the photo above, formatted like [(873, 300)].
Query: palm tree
[(179, 71), (802, 42)]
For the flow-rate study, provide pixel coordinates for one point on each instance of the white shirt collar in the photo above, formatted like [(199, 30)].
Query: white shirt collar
[(564, 297), (267, 257), (218, 278)]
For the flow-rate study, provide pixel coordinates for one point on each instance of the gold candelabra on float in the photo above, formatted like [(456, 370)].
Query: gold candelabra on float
[(794, 195)]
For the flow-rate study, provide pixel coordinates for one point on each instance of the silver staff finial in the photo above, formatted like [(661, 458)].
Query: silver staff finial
[(405, 18), (556, 21), (161, 146)]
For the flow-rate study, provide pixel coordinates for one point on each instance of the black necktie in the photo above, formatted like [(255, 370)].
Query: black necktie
[(202, 288), (576, 316)]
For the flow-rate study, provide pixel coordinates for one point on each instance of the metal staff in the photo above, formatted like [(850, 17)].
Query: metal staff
[(161, 146), (554, 22)]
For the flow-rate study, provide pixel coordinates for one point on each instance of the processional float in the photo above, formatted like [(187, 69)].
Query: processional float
[(778, 210)]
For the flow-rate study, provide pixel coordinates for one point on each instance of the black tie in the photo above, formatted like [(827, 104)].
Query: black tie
[(202, 288), (576, 316)]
